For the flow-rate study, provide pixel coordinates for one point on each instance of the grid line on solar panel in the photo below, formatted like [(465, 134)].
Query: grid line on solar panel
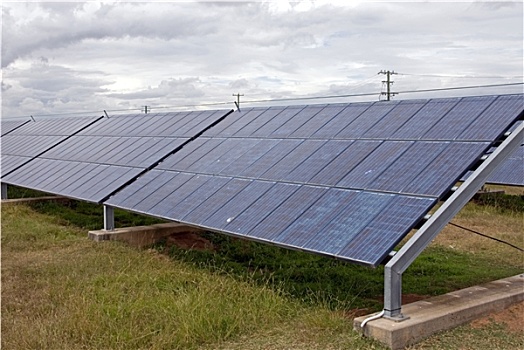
[(394, 119), (386, 230), (275, 123), (55, 127), (425, 119), (365, 172), (452, 124), (447, 168), (366, 120), (320, 121), (30, 146), (10, 163), (493, 121), (8, 126), (348, 197)]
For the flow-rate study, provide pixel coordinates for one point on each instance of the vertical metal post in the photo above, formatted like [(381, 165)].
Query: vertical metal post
[(422, 238), (4, 191), (109, 218)]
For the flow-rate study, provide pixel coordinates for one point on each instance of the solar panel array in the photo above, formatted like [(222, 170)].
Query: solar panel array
[(8, 126), (96, 161), (27, 140), (511, 171), (343, 180)]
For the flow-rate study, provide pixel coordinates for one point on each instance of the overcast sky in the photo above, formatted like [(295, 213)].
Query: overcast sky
[(68, 57)]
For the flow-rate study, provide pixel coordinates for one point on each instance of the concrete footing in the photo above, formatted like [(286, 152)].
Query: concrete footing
[(140, 236), (447, 311)]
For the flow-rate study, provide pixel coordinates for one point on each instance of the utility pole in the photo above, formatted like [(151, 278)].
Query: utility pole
[(388, 83), (238, 100), (146, 109)]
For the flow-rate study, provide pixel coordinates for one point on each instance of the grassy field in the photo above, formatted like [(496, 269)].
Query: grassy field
[(62, 291)]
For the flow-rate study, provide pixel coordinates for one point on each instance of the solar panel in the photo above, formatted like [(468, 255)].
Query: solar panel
[(10, 163), (511, 171), (343, 180), (27, 140), (8, 126), (97, 160)]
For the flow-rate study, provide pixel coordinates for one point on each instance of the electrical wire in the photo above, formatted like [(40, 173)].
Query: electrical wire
[(461, 76), (484, 235), (459, 88), (308, 98)]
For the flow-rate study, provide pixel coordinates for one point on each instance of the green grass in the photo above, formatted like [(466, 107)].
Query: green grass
[(62, 291)]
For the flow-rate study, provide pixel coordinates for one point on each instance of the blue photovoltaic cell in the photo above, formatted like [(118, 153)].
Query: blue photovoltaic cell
[(235, 122), (320, 116), (262, 207), (8, 126), (45, 175), (510, 172), (10, 163), (225, 213), (363, 175), (451, 125), (124, 151), (293, 159), (54, 126), (275, 124), (286, 213), (191, 153), (316, 218), (447, 168), (294, 123), (330, 120), (366, 120), (428, 116), (348, 159), (357, 213), (216, 201), (222, 155), (386, 229), (392, 121), (344, 180), (416, 158), (495, 119), (318, 161), (265, 162), (28, 146), (256, 123)]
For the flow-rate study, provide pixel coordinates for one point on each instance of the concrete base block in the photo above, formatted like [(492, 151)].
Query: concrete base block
[(443, 312), (35, 200), (140, 236)]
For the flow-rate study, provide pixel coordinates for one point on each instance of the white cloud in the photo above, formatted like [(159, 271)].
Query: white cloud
[(70, 56)]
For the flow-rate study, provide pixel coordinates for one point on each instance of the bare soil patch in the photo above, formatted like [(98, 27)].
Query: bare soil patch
[(189, 240), (512, 318)]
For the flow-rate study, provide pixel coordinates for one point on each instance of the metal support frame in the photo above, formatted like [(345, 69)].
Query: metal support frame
[(109, 218), (4, 191), (411, 250)]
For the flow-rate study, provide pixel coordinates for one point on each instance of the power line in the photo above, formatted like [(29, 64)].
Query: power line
[(484, 235), (461, 76), (285, 99), (461, 88)]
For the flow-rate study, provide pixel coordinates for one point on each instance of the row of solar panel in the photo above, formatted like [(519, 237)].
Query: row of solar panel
[(346, 180), (334, 221), (464, 119)]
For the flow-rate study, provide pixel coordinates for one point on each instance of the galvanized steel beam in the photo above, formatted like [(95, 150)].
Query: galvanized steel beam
[(411, 250)]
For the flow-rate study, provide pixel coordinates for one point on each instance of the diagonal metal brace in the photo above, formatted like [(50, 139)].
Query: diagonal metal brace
[(411, 250)]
